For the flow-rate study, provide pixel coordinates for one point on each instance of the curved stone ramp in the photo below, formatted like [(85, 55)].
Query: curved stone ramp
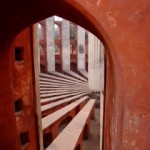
[(71, 137), (61, 96)]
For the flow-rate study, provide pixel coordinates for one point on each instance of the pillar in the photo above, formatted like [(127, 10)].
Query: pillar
[(50, 50), (66, 44), (81, 48), (101, 119), (36, 42), (96, 63), (36, 54)]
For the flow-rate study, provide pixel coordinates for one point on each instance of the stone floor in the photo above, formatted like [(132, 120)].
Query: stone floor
[(93, 142)]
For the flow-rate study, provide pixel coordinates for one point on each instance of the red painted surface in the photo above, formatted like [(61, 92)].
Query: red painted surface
[(124, 27), (73, 67), (23, 88)]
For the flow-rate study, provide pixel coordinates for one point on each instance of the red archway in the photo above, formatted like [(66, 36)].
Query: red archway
[(124, 29)]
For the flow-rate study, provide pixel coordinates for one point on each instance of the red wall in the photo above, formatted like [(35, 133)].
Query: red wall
[(124, 28), (8, 137), (23, 87)]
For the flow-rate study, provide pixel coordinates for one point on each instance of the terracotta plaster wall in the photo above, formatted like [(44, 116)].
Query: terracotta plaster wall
[(23, 88), (124, 27), (8, 137)]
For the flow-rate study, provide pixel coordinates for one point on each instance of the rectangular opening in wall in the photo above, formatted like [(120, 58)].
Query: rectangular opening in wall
[(18, 105), (19, 51), (24, 138)]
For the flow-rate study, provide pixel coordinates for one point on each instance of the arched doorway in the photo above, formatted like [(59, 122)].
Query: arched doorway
[(107, 19), (85, 21)]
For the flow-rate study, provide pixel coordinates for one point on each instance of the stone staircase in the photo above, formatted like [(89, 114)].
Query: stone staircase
[(62, 96)]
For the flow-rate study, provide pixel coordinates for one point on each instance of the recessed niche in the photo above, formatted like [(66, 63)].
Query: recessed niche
[(18, 105), (19, 53), (24, 138)]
